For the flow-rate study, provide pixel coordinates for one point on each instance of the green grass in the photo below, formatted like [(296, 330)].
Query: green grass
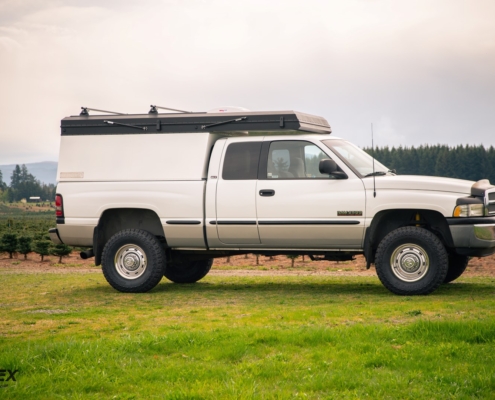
[(245, 337)]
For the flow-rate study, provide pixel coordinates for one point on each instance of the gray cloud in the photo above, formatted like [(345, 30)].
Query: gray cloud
[(421, 71)]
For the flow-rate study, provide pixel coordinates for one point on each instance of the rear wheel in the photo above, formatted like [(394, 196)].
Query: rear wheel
[(457, 266), (133, 260), (188, 271), (411, 261)]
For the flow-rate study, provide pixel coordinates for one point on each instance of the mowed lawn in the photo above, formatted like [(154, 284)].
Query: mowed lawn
[(228, 337)]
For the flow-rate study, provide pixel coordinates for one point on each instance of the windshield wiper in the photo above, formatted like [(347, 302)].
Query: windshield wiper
[(376, 173)]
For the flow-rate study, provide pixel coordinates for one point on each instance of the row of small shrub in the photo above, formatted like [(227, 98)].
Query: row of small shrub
[(12, 243)]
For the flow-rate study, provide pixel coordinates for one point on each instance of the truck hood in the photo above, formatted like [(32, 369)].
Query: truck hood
[(419, 182)]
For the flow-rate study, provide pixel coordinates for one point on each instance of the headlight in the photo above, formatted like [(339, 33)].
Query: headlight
[(469, 210)]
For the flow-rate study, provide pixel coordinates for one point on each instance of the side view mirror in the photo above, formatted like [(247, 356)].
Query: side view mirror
[(330, 167)]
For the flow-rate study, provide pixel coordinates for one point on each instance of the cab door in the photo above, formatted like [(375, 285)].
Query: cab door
[(236, 193), (298, 207)]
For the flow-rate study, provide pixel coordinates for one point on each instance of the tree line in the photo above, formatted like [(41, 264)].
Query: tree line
[(463, 162), (11, 243), (24, 185)]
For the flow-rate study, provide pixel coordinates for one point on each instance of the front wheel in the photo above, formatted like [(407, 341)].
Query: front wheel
[(133, 260), (188, 271), (411, 261), (457, 266)]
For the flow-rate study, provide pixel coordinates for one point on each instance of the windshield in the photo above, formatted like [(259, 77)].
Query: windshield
[(355, 158)]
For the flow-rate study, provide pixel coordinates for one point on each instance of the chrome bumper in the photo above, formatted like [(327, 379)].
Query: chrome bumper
[(474, 239)]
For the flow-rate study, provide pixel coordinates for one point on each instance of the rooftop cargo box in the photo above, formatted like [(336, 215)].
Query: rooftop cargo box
[(162, 146)]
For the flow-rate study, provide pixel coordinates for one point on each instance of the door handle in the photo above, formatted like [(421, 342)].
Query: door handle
[(267, 192)]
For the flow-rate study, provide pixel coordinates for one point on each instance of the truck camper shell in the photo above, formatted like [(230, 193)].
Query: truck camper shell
[(253, 122), (167, 146)]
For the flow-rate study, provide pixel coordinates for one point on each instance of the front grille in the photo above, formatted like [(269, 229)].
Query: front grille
[(491, 203)]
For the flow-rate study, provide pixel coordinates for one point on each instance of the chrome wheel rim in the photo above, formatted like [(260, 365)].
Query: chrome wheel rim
[(409, 262), (130, 261)]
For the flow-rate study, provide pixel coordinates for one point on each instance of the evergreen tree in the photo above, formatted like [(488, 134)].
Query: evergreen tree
[(25, 245), (456, 162), (9, 243), (42, 248), (463, 162), (3, 185), (491, 157), (25, 175), (24, 185), (442, 167), (292, 258), (61, 250), (10, 195), (15, 178)]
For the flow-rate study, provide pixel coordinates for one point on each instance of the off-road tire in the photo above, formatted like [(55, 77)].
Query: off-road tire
[(133, 261), (457, 266), (188, 272), (420, 261)]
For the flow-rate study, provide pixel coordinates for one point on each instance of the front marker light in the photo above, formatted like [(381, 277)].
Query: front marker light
[(469, 210), (461, 211)]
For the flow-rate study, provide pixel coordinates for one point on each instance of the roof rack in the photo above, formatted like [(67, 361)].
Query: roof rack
[(235, 122), (85, 111)]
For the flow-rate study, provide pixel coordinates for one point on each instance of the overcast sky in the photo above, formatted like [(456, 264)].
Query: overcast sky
[(420, 71)]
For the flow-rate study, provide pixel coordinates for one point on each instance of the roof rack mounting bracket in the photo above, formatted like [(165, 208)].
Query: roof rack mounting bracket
[(143, 128), (223, 122)]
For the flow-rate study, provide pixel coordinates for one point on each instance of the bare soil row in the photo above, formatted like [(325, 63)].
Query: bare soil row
[(233, 266)]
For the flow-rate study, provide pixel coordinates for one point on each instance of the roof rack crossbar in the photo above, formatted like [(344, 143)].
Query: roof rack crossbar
[(154, 111), (85, 111)]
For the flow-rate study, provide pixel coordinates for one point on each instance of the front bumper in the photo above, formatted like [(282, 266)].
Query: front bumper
[(473, 236)]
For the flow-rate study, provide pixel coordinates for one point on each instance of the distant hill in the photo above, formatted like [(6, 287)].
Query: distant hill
[(45, 172)]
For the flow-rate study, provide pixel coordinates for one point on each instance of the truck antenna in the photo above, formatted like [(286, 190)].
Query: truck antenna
[(85, 111), (154, 111), (373, 156)]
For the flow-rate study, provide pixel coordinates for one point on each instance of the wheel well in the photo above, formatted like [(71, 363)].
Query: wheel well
[(117, 219), (388, 220)]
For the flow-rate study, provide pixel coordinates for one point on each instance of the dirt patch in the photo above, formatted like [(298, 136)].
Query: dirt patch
[(232, 266), (33, 264), (281, 265), (56, 311)]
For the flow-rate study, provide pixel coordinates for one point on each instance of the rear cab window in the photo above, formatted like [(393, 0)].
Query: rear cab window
[(241, 161)]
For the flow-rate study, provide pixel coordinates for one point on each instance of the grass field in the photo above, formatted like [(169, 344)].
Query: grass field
[(72, 336)]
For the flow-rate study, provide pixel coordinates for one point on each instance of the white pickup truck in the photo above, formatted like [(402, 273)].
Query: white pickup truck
[(158, 195)]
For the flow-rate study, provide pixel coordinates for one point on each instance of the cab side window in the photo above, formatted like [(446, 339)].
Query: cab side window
[(294, 160), (241, 161)]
